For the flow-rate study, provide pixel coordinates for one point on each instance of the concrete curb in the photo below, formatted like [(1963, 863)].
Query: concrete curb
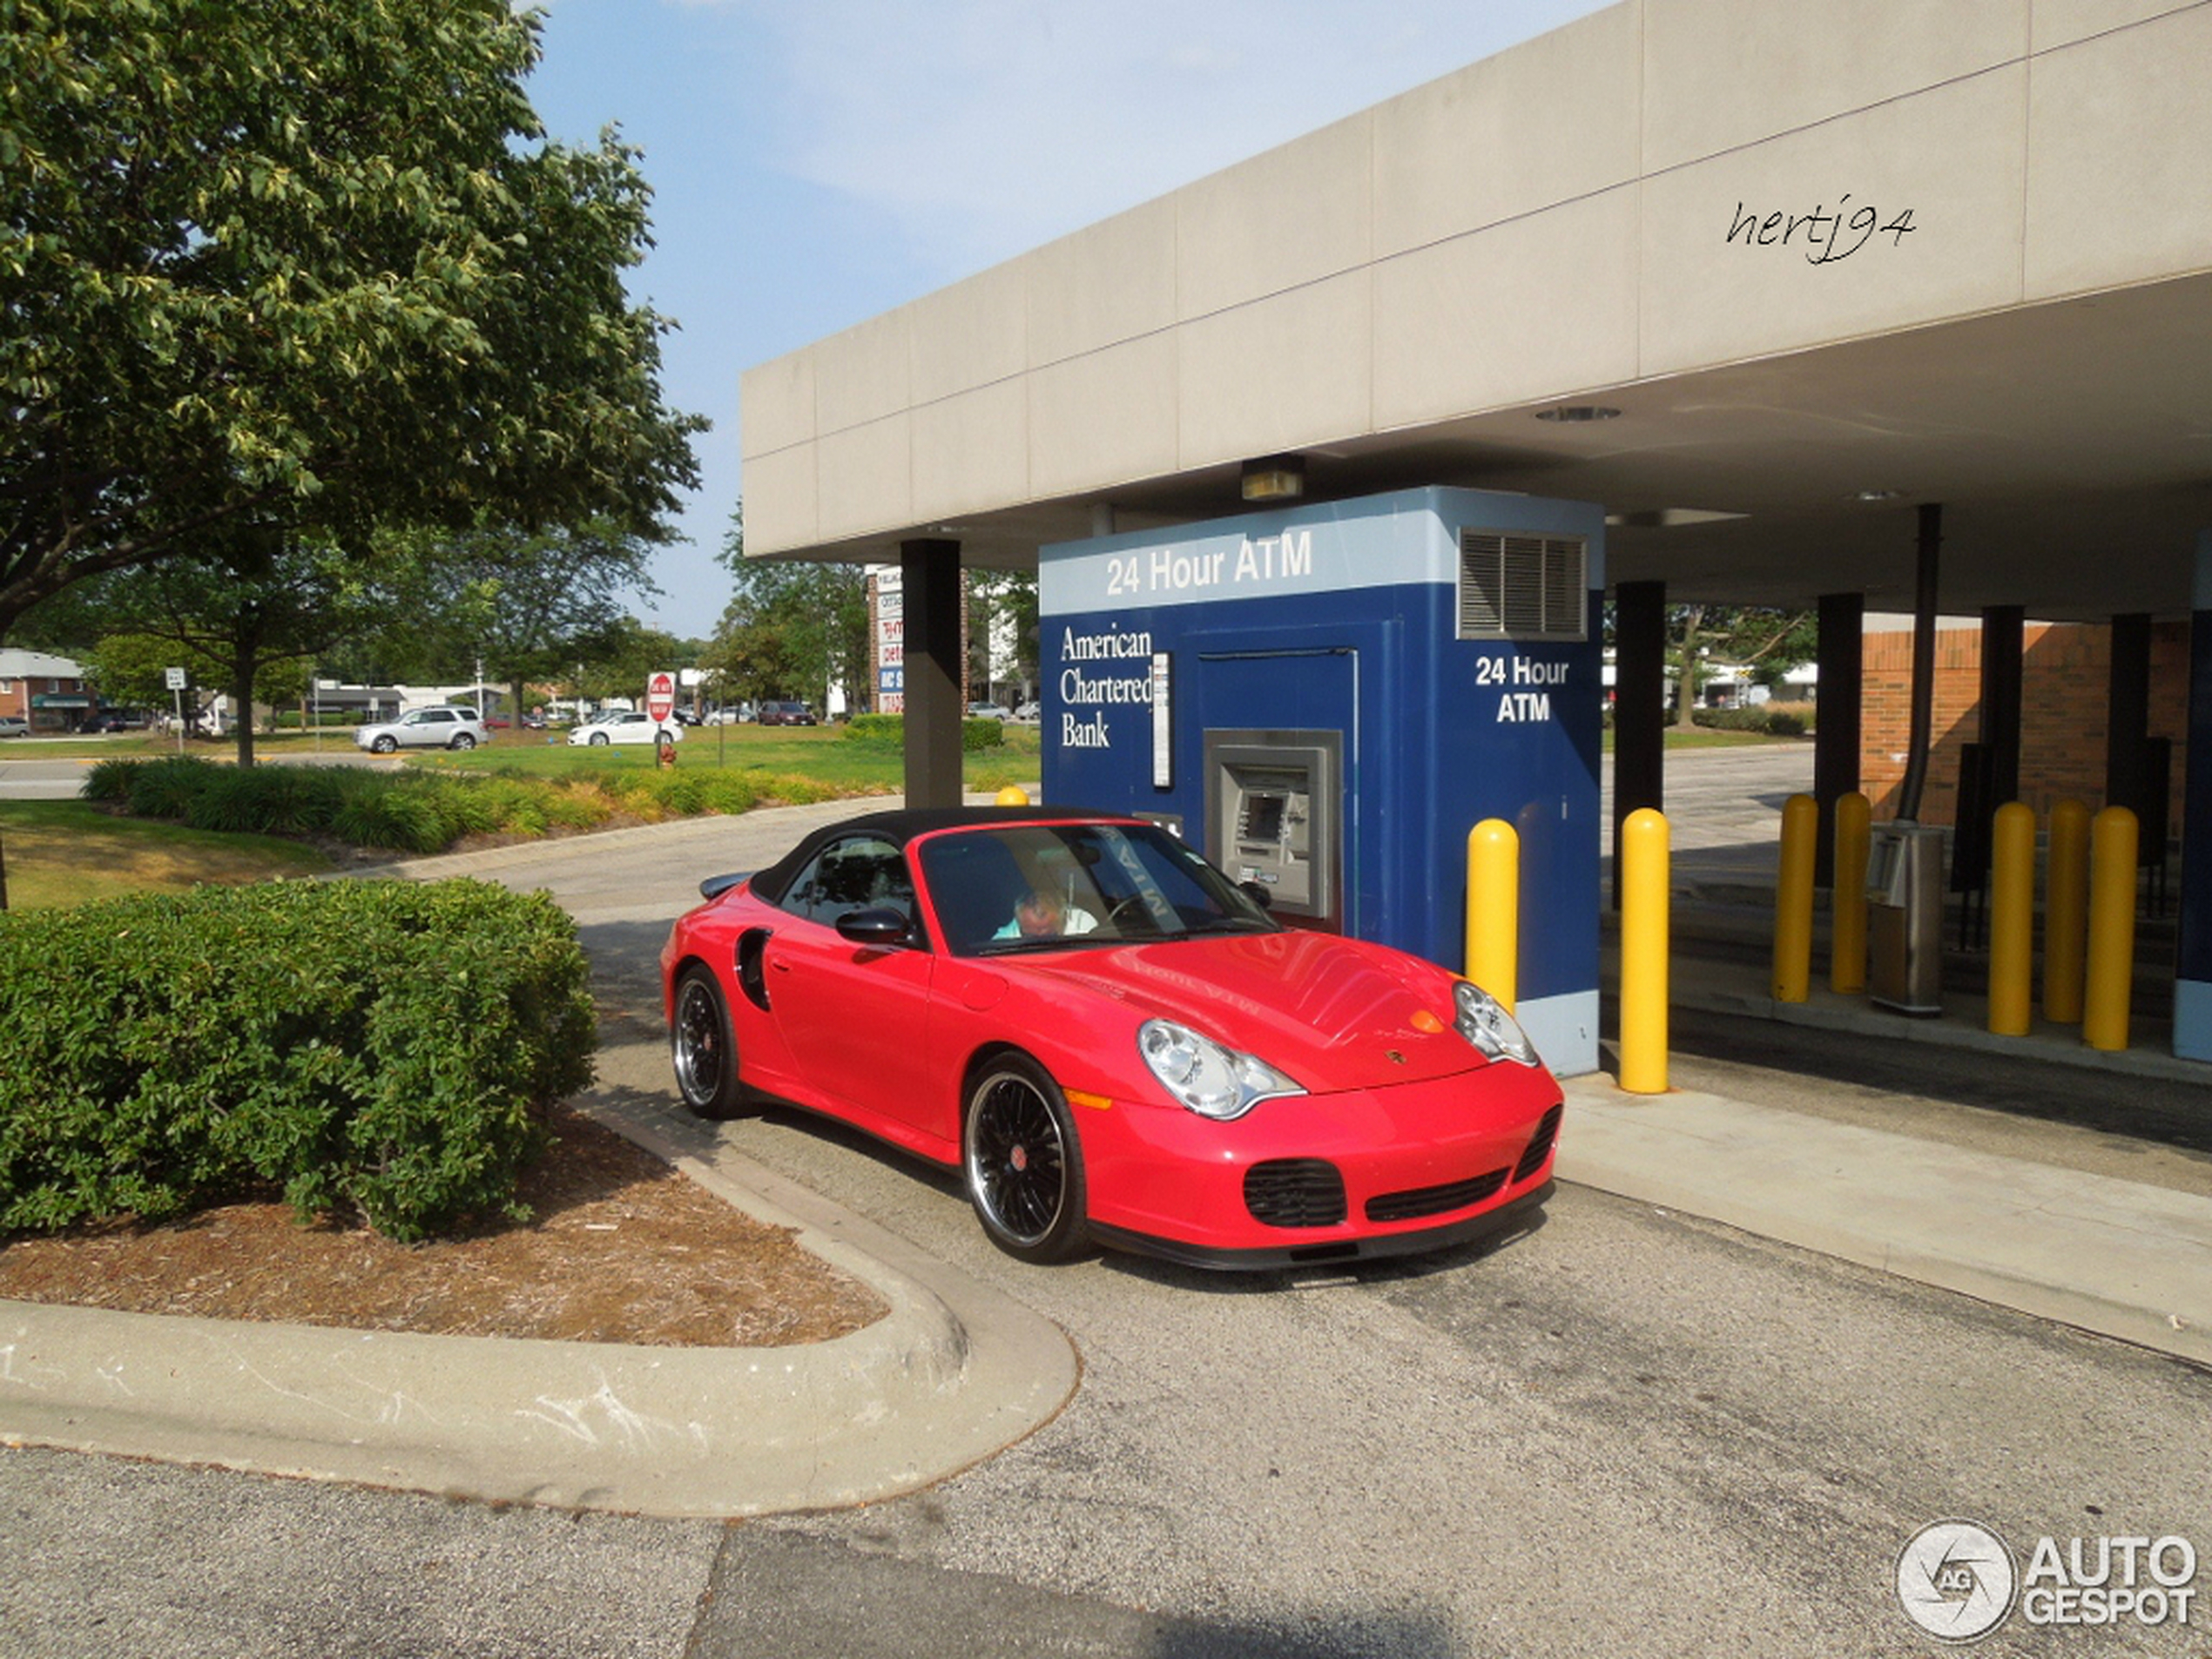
[(954, 1372)]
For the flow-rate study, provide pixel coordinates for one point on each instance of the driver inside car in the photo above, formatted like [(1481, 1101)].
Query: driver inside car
[(1041, 914)]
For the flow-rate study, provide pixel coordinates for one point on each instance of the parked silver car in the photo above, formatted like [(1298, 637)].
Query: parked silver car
[(451, 726)]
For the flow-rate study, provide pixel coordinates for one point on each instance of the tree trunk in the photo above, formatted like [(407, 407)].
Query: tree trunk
[(1686, 683), (242, 667)]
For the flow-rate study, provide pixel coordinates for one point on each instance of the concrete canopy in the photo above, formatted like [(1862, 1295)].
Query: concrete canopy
[(1647, 212)]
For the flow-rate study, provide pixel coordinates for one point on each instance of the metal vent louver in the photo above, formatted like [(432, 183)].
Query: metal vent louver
[(1523, 587)]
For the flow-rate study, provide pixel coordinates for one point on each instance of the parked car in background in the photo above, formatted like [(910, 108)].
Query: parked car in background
[(14, 726), (451, 726), (623, 725), (1028, 713), (786, 713), (987, 711), (736, 714)]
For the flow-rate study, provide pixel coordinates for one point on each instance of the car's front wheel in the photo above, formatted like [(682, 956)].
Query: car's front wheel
[(462, 740), (1023, 1165), (385, 744), (703, 1048), (598, 739)]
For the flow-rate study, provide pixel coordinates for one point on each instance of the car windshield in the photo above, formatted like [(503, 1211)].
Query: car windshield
[(1057, 886)]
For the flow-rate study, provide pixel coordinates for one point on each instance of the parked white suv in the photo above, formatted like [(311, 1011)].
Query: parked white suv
[(450, 727)]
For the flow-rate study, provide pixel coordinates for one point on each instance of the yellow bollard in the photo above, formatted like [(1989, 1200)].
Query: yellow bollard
[(1793, 901), (2066, 911), (1494, 909), (1643, 953), (1012, 795), (2012, 921), (1847, 935), (2112, 930)]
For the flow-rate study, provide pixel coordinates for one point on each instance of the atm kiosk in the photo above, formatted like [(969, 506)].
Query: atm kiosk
[(1328, 699)]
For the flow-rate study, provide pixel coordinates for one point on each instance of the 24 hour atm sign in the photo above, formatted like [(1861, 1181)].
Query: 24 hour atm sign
[(1524, 686)]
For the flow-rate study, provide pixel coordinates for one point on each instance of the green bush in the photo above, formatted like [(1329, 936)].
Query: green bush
[(419, 811), (372, 1046), (1776, 720)]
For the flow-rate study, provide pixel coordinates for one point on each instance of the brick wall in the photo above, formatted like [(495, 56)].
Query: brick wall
[(2065, 678)]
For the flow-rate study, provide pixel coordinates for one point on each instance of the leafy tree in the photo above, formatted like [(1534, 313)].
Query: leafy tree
[(1769, 641), (792, 628), (309, 262), (249, 616), (529, 604), (1002, 610)]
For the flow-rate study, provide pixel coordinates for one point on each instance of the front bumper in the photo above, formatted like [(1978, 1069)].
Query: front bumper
[(1514, 1215), (1347, 1176)]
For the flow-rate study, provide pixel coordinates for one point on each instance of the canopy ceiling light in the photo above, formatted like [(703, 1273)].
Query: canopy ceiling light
[(1275, 478)]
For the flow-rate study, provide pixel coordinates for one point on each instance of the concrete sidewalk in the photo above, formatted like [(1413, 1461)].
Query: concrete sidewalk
[(2120, 1257), (1998, 1220)]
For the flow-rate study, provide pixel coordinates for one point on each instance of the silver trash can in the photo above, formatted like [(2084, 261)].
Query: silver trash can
[(1904, 917)]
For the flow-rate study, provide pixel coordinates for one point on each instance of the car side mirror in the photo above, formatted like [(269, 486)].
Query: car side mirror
[(1257, 893), (880, 926)]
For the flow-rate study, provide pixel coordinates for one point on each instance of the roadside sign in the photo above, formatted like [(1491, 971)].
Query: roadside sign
[(175, 677), (660, 697)]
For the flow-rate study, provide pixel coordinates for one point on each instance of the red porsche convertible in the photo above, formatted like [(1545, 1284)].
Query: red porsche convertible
[(1111, 1041)]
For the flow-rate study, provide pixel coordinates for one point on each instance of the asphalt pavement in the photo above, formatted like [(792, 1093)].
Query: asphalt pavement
[(2003, 1210)]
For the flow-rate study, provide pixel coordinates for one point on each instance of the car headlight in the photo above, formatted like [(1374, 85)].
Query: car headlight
[(1482, 1020), (1204, 1076)]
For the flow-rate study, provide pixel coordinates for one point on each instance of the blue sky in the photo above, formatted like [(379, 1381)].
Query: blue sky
[(815, 162)]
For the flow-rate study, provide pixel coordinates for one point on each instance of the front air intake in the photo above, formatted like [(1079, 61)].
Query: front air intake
[(1295, 1192)]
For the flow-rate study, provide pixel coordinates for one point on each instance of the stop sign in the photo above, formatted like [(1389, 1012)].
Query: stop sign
[(660, 697)]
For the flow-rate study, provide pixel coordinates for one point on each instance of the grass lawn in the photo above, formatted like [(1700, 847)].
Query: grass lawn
[(67, 852), (820, 752), (817, 751)]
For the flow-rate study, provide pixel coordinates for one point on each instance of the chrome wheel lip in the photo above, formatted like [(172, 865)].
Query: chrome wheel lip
[(1016, 1161), (698, 1044)]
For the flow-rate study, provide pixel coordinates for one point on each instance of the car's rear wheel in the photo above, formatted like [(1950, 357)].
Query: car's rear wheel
[(598, 739), (385, 745), (703, 1046), (462, 741), (1023, 1165)]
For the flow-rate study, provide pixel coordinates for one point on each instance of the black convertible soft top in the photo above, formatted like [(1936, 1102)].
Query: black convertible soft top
[(898, 825)]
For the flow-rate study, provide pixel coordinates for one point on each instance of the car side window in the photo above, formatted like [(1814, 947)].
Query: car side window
[(858, 872)]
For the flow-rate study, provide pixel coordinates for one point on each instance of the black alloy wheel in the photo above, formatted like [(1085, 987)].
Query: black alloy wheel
[(1023, 1164), (385, 744), (703, 1048)]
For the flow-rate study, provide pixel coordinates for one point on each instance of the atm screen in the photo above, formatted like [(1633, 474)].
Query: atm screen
[(1262, 818)]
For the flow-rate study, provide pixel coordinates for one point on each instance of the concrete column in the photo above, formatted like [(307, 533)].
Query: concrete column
[(2193, 979), (1838, 726), (2128, 719), (2003, 630), (1639, 706), (931, 576)]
